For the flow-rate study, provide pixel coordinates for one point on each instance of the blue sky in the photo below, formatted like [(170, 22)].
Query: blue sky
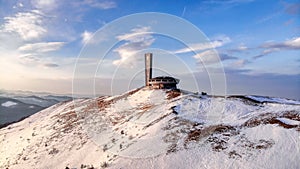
[(256, 41)]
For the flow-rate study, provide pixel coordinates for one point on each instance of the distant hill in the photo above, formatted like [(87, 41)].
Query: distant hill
[(13, 110), (17, 106)]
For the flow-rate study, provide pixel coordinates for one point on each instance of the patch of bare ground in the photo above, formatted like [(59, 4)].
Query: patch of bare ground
[(172, 148), (184, 131), (116, 119), (103, 104), (260, 144), (173, 94), (66, 121), (234, 154), (271, 118), (177, 128), (250, 146), (191, 132), (180, 124), (144, 108), (219, 135), (173, 108)]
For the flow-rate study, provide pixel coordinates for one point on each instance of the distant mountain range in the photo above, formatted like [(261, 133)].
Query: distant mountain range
[(15, 106)]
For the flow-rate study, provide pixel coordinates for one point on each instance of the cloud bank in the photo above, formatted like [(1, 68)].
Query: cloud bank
[(41, 47), (270, 47), (220, 41)]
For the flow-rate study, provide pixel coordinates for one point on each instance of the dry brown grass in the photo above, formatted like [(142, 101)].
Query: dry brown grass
[(224, 130), (67, 120), (146, 107), (173, 94), (270, 118)]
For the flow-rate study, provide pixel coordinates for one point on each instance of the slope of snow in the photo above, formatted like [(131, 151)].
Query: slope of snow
[(289, 121), (266, 154), (155, 129)]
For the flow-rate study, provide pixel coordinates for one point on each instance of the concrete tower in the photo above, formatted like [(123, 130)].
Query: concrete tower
[(148, 68)]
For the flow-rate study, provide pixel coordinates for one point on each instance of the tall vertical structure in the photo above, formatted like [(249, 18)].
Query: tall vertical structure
[(148, 68)]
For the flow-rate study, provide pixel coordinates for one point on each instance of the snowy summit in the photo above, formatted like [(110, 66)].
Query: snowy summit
[(162, 128)]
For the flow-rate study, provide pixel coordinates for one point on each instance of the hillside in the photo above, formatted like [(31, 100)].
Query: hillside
[(157, 129)]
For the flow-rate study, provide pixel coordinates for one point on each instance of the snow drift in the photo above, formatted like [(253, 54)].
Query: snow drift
[(157, 129)]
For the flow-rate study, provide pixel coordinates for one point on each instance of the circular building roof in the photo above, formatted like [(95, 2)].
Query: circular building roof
[(164, 79)]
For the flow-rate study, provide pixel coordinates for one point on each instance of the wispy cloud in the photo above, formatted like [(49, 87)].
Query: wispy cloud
[(205, 52), (51, 65), (239, 63), (51, 5), (240, 48), (220, 41), (136, 35), (211, 57), (28, 58), (34, 60), (288, 44), (45, 5), (270, 47), (222, 2), (28, 25), (183, 12), (292, 8), (86, 37), (41, 47), (18, 5), (34, 54), (289, 22), (199, 46), (104, 4), (268, 17), (138, 39)]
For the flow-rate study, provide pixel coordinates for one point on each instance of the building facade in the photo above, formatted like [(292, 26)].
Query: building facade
[(161, 82)]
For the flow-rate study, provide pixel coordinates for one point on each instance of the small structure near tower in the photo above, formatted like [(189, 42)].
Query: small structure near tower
[(163, 82), (160, 82)]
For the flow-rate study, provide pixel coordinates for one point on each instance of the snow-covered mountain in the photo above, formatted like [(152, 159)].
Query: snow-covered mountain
[(157, 129)]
